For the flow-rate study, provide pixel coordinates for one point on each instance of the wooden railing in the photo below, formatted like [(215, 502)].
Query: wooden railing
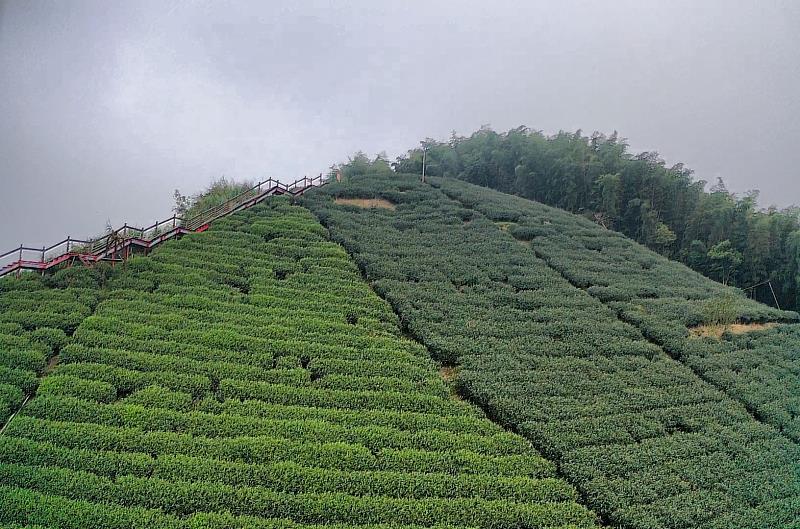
[(116, 244)]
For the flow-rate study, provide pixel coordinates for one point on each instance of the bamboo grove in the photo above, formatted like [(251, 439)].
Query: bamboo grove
[(577, 338)]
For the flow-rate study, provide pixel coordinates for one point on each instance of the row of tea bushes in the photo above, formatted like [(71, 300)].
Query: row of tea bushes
[(288, 477), (186, 498), (248, 377), (663, 299), (263, 449), (86, 410), (554, 363), (606, 262), (56, 511), (760, 368)]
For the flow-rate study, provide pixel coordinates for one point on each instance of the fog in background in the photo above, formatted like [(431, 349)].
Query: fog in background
[(107, 106)]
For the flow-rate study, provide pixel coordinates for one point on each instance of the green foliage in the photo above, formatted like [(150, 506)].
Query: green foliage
[(36, 316), (721, 310), (160, 397), (185, 498), (217, 192), (360, 164), (77, 387), (664, 207), (247, 377), (756, 368), (527, 299), (11, 398), (663, 237), (724, 260), (287, 476), (90, 278), (54, 339), (662, 299)]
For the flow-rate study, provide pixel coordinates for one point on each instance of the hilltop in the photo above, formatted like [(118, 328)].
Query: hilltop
[(728, 237), (383, 352)]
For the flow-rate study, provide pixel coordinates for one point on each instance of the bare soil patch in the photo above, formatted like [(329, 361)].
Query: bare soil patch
[(716, 331), (51, 365), (448, 373), (366, 203)]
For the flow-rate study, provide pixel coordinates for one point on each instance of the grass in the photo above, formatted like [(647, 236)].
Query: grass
[(366, 203), (716, 331)]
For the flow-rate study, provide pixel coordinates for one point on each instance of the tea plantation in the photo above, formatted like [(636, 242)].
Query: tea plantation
[(246, 377), (664, 299), (577, 338), (34, 323), (387, 354)]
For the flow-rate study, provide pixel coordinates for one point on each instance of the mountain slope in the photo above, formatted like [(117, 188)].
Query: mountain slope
[(248, 377), (647, 441), (665, 208), (662, 298)]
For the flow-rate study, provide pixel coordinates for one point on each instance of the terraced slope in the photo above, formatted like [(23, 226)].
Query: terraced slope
[(35, 322), (248, 377), (646, 440), (662, 298)]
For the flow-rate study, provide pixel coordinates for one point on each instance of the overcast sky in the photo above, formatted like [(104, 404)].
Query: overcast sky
[(107, 106)]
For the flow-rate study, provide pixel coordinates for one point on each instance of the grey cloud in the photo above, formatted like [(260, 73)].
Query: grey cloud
[(106, 107)]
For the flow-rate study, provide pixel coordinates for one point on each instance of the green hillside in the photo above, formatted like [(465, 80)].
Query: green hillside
[(34, 322), (246, 377), (662, 298), (548, 318), (723, 235), (386, 353)]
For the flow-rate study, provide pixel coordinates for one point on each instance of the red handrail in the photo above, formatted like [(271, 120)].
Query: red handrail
[(105, 247)]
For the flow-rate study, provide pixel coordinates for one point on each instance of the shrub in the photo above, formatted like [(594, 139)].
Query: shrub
[(77, 387)]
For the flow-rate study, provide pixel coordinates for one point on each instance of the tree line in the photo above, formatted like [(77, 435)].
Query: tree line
[(722, 235)]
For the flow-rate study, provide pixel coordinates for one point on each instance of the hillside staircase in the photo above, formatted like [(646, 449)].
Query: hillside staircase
[(117, 245)]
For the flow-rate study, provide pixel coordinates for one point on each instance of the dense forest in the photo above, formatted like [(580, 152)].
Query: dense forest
[(722, 235)]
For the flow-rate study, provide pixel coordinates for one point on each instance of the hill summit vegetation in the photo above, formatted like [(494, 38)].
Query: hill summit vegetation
[(715, 232)]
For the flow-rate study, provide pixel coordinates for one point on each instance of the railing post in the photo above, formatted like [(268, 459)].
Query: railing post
[(68, 240), (42, 253), (20, 253)]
